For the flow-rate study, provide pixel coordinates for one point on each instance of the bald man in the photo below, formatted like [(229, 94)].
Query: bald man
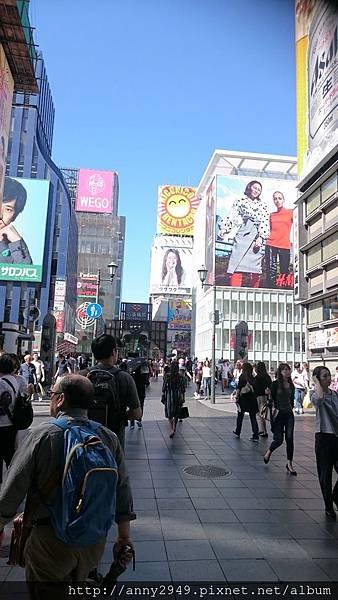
[(39, 457)]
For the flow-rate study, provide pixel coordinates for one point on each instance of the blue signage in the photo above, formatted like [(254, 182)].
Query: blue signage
[(94, 311)]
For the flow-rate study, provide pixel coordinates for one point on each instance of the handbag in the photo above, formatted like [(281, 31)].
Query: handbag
[(20, 534), (307, 400), (22, 413), (183, 413), (268, 413)]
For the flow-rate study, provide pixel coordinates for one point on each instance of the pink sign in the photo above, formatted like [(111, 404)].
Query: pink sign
[(95, 191)]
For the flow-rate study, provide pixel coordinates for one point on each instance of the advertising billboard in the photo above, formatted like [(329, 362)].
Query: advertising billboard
[(136, 312), (22, 229), (179, 315), (316, 77), (95, 191), (86, 287), (176, 210), (179, 340), (323, 338), (210, 231), (171, 267), (6, 97), (254, 232)]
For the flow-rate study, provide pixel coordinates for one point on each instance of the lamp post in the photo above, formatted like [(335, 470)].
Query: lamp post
[(112, 268), (202, 274)]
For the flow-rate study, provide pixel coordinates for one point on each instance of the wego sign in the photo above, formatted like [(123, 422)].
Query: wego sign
[(95, 191)]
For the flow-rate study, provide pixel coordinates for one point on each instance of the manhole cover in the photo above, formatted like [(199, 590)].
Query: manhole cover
[(207, 471)]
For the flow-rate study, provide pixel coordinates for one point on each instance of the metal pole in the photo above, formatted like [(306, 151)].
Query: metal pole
[(213, 345), (98, 281)]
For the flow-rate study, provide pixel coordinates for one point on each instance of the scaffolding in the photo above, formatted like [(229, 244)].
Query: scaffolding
[(16, 37)]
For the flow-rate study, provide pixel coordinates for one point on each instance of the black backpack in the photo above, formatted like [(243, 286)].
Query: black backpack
[(106, 407), (22, 414)]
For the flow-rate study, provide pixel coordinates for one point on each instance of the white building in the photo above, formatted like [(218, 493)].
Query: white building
[(275, 321)]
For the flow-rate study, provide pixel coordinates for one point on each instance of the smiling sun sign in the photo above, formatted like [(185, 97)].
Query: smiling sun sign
[(176, 210)]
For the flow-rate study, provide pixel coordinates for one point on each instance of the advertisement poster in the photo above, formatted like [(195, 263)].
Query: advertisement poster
[(176, 210), (95, 191), (180, 341), (317, 77), (6, 97), (87, 287), (22, 229), (136, 312), (179, 315), (210, 232), (171, 267), (254, 232), (323, 338)]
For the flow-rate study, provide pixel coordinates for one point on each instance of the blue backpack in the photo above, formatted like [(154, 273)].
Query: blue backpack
[(84, 509)]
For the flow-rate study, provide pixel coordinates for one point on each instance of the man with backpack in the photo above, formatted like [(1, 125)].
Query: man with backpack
[(115, 393), (8, 391), (74, 475)]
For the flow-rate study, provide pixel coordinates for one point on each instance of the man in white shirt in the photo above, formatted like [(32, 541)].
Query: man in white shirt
[(40, 375), (300, 388), (8, 392)]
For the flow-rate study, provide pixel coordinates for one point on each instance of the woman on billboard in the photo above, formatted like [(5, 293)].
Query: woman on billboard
[(172, 271), (13, 249), (249, 218)]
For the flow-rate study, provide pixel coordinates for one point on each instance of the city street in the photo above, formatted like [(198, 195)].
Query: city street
[(255, 524)]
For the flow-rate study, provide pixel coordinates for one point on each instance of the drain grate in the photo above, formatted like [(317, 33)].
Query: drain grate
[(206, 471)]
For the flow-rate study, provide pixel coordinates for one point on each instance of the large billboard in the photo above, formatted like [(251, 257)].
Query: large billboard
[(171, 266), (254, 232), (179, 315), (210, 231), (136, 312), (95, 191), (87, 287), (317, 79), (22, 229), (176, 210), (6, 97)]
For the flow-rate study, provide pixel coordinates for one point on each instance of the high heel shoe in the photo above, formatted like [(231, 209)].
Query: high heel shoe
[(266, 460), (290, 471)]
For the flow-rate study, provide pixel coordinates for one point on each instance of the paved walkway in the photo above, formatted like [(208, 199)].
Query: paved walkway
[(257, 524)]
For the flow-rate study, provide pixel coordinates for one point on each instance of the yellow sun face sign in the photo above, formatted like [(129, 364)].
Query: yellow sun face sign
[(176, 210)]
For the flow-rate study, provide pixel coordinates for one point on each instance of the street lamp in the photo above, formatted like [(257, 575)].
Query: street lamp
[(202, 274)]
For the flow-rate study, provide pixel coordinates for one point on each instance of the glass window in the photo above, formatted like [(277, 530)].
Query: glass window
[(250, 310), (315, 227), (316, 282), (266, 312), (314, 256), (234, 309), (331, 215), (313, 201), (273, 312), (297, 342), (226, 309), (330, 247), (330, 308), (289, 313), (281, 341), (226, 339), (258, 340), (289, 341), (266, 341), (296, 313), (315, 313), (273, 341), (258, 309), (332, 275), (281, 311), (242, 310), (329, 187)]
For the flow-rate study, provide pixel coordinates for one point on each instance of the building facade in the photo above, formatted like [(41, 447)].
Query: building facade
[(252, 284), (28, 161), (316, 286)]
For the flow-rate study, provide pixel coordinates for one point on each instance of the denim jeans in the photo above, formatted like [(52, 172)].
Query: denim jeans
[(254, 425), (283, 425), (299, 395), (207, 386)]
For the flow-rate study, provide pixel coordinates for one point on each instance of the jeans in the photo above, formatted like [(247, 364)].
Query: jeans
[(271, 256), (283, 425), (326, 448), (207, 386), (299, 395), (254, 425)]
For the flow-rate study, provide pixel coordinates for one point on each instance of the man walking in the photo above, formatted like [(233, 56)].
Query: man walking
[(105, 351), (39, 462)]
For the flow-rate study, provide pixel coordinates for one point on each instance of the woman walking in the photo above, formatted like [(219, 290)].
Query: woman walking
[(325, 401), (282, 399), (173, 390), (262, 385), (246, 401), (206, 375)]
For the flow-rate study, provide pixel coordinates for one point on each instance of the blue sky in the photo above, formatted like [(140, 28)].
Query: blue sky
[(150, 88)]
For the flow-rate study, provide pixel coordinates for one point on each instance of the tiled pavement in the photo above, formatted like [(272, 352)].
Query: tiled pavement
[(258, 524)]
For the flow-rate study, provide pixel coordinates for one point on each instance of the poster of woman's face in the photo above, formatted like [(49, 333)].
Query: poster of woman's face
[(171, 270), (254, 244)]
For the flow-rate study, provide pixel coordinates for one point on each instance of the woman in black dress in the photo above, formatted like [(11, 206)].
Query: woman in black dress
[(282, 398), (173, 391), (246, 401), (262, 385)]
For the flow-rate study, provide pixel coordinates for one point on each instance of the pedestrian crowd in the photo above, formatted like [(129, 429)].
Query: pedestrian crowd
[(70, 469)]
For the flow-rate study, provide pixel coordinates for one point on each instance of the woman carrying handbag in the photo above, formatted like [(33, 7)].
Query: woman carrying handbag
[(262, 385), (246, 402), (282, 418)]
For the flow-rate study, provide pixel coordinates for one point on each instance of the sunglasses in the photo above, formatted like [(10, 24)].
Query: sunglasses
[(51, 393)]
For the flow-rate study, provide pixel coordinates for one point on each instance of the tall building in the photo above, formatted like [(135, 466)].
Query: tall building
[(171, 255), (245, 241), (101, 240), (47, 221), (316, 286)]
